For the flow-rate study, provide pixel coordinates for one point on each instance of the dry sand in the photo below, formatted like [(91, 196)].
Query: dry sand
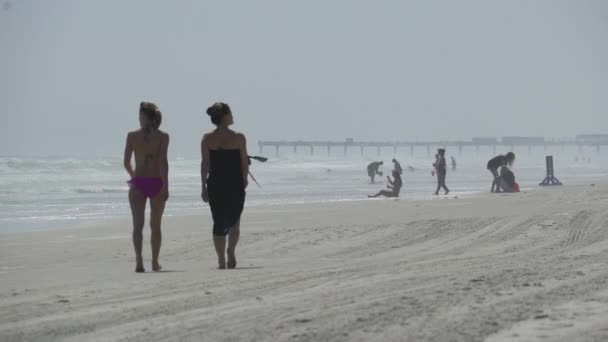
[(519, 267)]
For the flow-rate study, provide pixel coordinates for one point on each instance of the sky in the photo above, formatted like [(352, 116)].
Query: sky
[(72, 72)]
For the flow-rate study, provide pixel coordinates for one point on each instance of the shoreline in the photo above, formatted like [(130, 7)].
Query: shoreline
[(92, 222)]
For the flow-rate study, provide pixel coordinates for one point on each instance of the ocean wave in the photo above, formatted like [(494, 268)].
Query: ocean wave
[(57, 164), (94, 190)]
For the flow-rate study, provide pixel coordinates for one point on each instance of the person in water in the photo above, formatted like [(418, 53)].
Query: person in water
[(224, 170), (394, 186), (453, 163), (149, 179), (397, 166), (441, 169), (497, 162), (372, 169)]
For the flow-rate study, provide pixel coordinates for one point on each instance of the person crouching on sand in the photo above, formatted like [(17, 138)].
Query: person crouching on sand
[(394, 186), (507, 180), (149, 179)]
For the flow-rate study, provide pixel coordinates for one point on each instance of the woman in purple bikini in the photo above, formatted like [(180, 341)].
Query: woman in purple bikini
[(149, 180)]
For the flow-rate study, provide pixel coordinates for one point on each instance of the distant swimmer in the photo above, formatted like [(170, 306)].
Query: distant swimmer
[(497, 162), (397, 166), (372, 169), (453, 164), (441, 169), (394, 186)]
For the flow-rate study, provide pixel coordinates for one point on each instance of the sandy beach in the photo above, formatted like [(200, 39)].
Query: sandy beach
[(513, 267)]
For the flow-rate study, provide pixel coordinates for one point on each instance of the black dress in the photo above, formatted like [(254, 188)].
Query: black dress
[(226, 189)]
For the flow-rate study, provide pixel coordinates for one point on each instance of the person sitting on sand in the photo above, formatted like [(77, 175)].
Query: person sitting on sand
[(394, 187), (507, 180), (224, 172), (372, 170), (441, 168), (397, 166), (497, 162), (149, 179)]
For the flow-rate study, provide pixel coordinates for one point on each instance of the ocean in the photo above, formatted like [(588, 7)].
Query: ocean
[(54, 193)]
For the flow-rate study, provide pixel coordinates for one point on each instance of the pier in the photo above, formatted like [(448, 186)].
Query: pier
[(505, 143)]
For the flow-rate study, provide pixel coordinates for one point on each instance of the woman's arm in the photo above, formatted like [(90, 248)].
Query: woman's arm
[(127, 156), (204, 168), (164, 164), (244, 157)]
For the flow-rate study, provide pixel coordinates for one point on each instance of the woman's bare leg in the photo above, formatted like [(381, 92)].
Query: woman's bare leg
[(157, 207), (233, 239), (376, 195), (220, 247), (138, 211), (382, 193)]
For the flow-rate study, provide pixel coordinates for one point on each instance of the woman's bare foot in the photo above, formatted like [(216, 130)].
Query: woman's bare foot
[(231, 258), (156, 267), (221, 263), (139, 265)]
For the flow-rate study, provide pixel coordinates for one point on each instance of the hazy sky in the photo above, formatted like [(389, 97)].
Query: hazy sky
[(72, 73)]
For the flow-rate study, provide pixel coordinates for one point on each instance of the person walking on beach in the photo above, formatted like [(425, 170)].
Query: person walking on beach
[(372, 170), (397, 166), (453, 163), (441, 169), (224, 171), (496, 163), (149, 179), (394, 187)]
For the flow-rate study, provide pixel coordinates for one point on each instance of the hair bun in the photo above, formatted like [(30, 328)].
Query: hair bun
[(216, 109)]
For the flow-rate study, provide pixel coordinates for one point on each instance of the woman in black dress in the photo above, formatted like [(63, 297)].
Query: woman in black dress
[(224, 170)]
